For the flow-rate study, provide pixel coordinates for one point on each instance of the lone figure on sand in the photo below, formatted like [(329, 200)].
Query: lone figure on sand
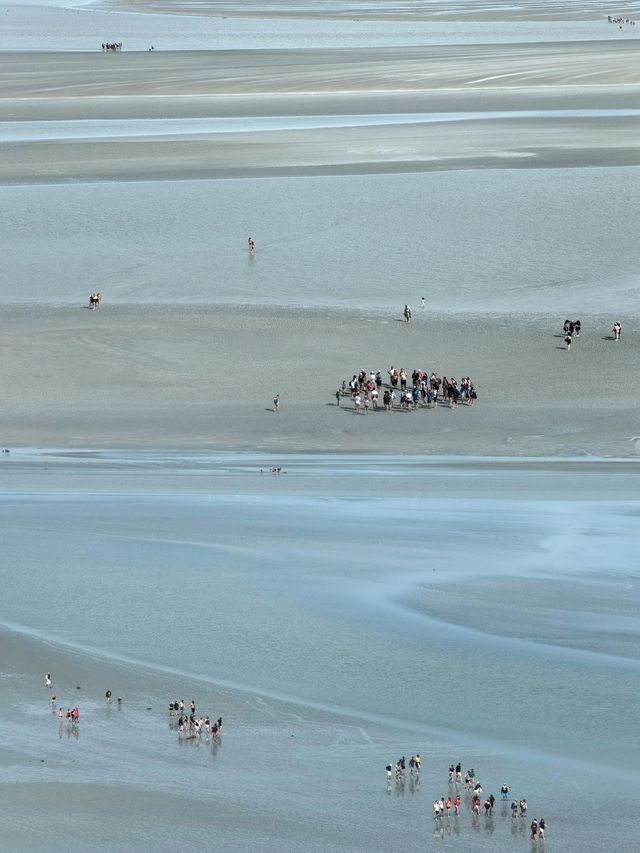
[(407, 313), (276, 402), (617, 329), (252, 246)]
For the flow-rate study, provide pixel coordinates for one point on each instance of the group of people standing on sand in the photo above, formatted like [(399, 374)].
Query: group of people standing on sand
[(112, 47), (572, 329), (72, 715), (415, 763), (95, 299), (191, 727), (621, 21), (473, 792), (422, 389)]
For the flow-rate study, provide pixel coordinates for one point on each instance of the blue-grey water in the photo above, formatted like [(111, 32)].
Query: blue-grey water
[(490, 608), (20, 131), (466, 240)]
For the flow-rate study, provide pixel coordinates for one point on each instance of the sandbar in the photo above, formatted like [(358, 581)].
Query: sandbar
[(180, 376)]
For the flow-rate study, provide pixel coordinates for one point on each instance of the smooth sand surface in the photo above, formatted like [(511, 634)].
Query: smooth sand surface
[(384, 81), (204, 378)]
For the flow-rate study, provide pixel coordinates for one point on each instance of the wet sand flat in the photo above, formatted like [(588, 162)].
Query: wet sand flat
[(204, 377), (360, 607), (539, 81), (56, 75), (178, 576)]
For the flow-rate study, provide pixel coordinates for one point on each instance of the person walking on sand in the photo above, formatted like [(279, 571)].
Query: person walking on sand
[(407, 314), (252, 246), (617, 329), (47, 680), (567, 341), (107, 696), (276, 402)]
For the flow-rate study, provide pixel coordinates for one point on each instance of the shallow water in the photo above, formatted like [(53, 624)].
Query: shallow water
[(508, 240), (406, 592), (345, 584), (20, 131)]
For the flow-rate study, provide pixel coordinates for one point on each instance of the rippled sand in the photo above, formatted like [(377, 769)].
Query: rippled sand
[(584, 75)]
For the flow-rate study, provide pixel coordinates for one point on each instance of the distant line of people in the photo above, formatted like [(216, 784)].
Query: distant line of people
[(112, 46)]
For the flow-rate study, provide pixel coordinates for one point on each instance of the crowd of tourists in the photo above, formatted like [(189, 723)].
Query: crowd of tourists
[(466, 791), (405, 391), (479, 802), (70, 717), (189, 726), (181, 718)]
